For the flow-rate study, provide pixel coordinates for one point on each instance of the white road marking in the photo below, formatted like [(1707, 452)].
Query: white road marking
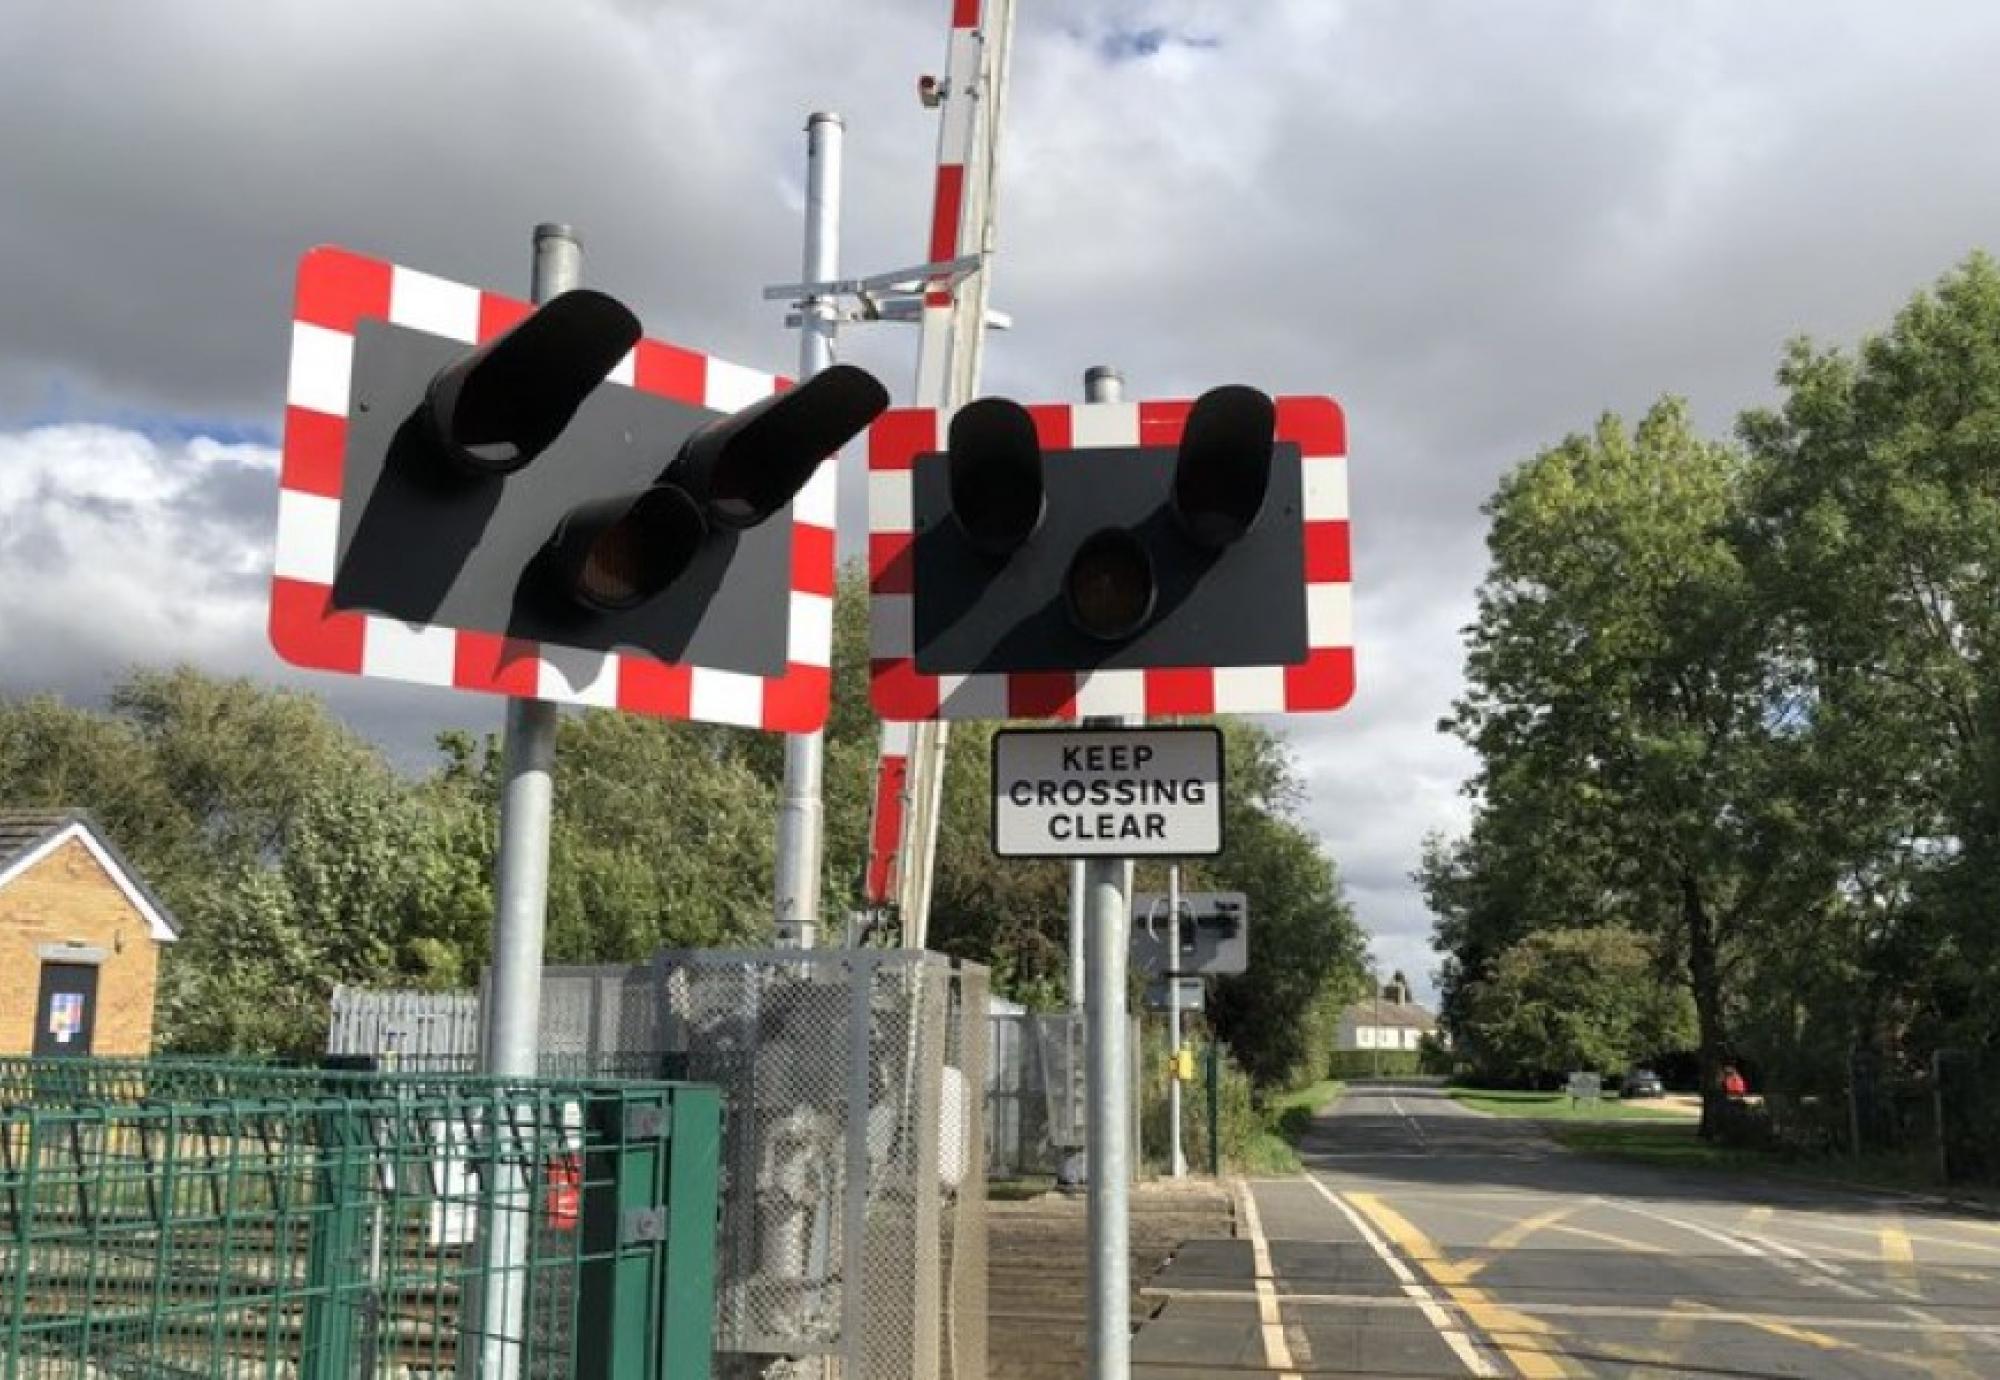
[(1988, 1333), (1415, 1129), (1787, 1258), (1277, 1349), (1419, 1294), (1735, 1243)]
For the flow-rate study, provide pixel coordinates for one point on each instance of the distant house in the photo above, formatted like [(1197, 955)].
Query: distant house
[(80, 939), (1390, 1020)]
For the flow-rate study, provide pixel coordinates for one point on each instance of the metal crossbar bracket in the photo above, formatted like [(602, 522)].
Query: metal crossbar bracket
[(909, 279), (642, 1226), (909, 310), (645, 1123), (897, 295)]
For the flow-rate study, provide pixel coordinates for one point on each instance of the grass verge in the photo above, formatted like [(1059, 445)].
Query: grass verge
[(1270, 1152), (1677, 1146), (1555, 1106)]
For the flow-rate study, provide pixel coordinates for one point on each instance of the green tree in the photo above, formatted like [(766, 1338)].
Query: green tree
[(1626, 710), (1563, 1000), (1879, 513), (363, 887), (663, 837), (55, 756)]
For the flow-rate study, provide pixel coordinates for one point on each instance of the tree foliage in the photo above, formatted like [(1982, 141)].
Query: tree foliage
[(1622, 703), (298, 858), (1563, 1000), (1742, 700)]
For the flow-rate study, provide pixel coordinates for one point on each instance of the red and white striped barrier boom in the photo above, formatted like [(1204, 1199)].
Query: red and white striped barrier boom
[(909, 770)]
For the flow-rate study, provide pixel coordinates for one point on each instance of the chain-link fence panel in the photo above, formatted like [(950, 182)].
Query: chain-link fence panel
[(840, 1069)]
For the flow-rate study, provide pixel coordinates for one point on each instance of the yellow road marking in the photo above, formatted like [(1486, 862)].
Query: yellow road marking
[(1680, 1323), (1853, 1229), (1418, 1294), (1623, 1243), (1933, 1365), (1778, 1327), (1526, 1342), (1513, 1236), (1899, 1256), (1277, 1346)]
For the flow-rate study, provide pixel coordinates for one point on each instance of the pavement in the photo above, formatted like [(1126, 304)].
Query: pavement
[(1429, 1240), (1037, 1299)]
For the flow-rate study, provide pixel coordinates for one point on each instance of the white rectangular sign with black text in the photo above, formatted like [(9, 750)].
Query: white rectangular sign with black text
[(1116, 793)]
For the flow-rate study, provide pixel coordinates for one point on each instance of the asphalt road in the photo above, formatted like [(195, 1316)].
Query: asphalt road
[(1427, 1240)]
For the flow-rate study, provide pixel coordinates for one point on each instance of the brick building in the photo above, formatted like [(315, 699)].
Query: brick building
[(80, 939)]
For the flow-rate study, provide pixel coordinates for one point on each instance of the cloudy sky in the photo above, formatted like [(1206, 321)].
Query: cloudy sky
[(1477, 222)]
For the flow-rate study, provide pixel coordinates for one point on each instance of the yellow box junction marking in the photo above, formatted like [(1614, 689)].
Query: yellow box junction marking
[(1526, 1342)]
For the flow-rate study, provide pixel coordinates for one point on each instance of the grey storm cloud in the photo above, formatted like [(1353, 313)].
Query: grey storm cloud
[(1478, 225)]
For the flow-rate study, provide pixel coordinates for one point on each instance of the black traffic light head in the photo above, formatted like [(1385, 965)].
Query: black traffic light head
[(1222, 467), (613, 554), (742, 468), (1034, 558), (1109, 589), (492, 412), (995, 461)]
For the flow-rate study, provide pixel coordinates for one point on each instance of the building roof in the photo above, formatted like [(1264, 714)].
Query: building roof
[(28, 836), (1408, 1015)]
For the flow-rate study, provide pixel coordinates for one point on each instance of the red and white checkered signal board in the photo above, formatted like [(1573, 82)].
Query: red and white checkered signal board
[(1323, 681), (337, 290)]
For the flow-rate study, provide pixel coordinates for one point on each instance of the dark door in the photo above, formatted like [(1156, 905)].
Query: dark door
[(66, 1010)]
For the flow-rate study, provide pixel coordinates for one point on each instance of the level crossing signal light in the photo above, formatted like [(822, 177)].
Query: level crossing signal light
[(1157, 558), (556, 506)]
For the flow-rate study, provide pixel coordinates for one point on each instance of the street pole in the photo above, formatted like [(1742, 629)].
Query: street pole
[(800, 814), (1175, 1156), (1107, 917), (1376, 978), (513, 1007), (1105, 1124), (1076, 889), (527, 795)]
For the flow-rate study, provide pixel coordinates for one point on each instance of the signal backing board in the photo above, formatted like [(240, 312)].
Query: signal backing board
[(1312, 435), (342, 295)]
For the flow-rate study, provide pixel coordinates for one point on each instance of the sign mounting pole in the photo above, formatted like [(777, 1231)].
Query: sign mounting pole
[(1177, 1158), (1107, 917)]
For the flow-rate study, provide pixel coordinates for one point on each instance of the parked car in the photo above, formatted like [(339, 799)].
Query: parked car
[(1643, 1083)]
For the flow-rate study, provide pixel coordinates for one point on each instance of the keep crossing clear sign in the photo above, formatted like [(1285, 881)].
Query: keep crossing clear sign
[(1120, 793)]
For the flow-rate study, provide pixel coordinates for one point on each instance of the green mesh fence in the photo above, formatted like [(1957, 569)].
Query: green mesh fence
[(183, 1219)]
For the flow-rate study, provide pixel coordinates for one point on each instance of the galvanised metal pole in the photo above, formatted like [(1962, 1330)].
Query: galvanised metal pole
[(1076, 959), (1175, 1157), (527, 793), (801, 817), (513, 1008), (1105, 1126), (1107, 920)]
